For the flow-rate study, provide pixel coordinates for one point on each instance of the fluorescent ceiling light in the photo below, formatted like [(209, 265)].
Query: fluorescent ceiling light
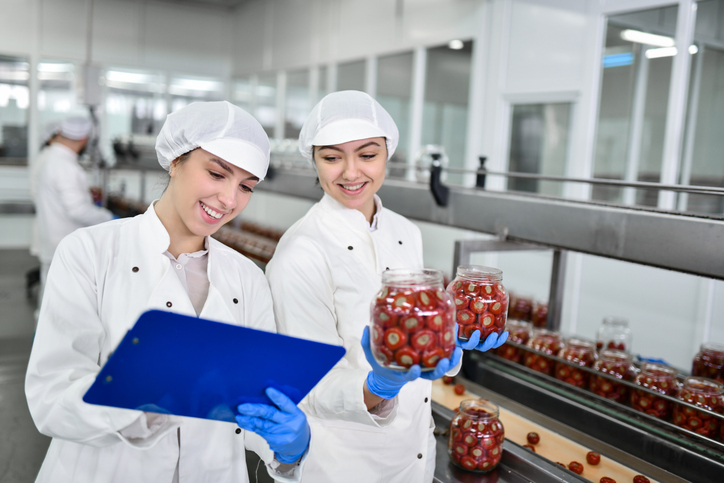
[(662, 52), (128, 77), (53, 67), (456, 44), (646, 38), (693, 49), (196, 85)]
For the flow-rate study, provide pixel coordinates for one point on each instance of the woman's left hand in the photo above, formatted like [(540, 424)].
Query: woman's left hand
[(493, 341), (284, 427)]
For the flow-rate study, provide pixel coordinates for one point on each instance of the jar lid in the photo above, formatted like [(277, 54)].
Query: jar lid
[(704, 385), (615, 320), (481, 408), (479, 273), (712, 347), (615, 355), (658, 369), (402, 277)]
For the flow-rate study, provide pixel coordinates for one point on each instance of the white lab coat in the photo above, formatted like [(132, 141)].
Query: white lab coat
[(324, 274), (101, 279), (63, 202)]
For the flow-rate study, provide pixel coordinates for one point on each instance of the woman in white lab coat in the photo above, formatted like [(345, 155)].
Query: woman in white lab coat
[(103, 277), (369, 425)]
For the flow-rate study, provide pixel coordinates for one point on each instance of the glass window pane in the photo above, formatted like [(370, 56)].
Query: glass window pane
[(185, 90), (241, 95), (266, 102), (394, 85), (323, 86), (14, 100), (702, 162), (635, 82), (134, 105), (445, 112), (351, 76), (297, 104), (539, 144), (57, 97)]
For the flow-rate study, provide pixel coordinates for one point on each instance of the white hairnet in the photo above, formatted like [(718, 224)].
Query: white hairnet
[(76, 128), (345, 116), (50, 129), (221, 128)]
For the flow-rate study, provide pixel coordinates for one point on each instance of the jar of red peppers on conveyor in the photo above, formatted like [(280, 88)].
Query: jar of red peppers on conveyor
[(708, 361), (476, 436), (660, 378), (581, 353), (519, 332), (545, 341), (412, 320), (618, 364), (481, 301), (614, 333), (705, 393)]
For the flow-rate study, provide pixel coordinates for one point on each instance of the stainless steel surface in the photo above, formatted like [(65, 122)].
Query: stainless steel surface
[(557, 286), (667, 455), (17, 208), (687, 244), (516, 466)]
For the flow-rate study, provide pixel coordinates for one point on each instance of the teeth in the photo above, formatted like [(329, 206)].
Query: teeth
[(211, 212), (353, 187)]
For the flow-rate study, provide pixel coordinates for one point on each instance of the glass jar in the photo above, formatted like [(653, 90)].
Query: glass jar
[(660, 378), (705, 393), (476, 436), (539, 314), (618, 364), (412, 320), (708, 361), (521, 308), (614, 333), (519, 332), (546, 341), (580, 352), (481, 301)]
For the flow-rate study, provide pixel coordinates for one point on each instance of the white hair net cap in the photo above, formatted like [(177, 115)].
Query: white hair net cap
[(76, 128), (221, 128), (50, 129), (345, 116)]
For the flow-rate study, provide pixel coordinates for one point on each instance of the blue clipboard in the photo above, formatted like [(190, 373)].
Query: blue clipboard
[(175, 364)]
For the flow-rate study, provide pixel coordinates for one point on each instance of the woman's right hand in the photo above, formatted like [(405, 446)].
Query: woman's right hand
[(386, 383)]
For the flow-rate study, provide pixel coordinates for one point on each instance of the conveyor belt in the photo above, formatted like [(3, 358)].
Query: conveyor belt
[(518, 465)]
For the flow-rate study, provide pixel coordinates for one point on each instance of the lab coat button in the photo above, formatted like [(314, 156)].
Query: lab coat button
[(400, 242), (168, 304), (236, 301), (350, 247), (419, 456), (238, 430), (134, 269), (178, 266), (425, 399)]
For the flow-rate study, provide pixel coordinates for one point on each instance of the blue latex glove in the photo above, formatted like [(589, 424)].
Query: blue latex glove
[(386, 383), (493, 341), (284, 427)]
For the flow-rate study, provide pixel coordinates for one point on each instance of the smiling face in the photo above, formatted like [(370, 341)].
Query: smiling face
[(353, 172), (205, 193)]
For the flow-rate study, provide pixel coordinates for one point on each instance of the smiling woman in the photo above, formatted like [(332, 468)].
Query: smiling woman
[(102, 278)]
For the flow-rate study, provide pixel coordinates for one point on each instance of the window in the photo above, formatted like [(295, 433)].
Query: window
[(297, 105), (394, 85), (14, 99), (351, 76), (445, 112)]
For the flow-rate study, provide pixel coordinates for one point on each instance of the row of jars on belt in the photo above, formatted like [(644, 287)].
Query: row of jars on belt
[(705, 387)]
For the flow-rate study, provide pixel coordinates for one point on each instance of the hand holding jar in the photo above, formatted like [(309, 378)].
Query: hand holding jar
[(412, 329), (481, 305)]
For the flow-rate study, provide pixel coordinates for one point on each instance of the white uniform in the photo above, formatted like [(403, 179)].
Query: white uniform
[(324, 275), (63, 201), (102, 278)]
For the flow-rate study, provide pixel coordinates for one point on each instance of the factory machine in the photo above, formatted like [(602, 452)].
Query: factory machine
[(638, 429)]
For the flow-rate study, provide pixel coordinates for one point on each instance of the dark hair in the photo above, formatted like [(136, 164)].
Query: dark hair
[(180, 160)]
